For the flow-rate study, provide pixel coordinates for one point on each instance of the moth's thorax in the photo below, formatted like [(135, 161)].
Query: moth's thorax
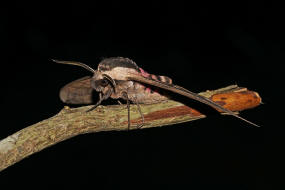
[(121, 86), (120, 73), (118, 67), (113, 62)]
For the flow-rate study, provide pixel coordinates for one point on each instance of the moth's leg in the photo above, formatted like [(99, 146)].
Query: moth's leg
[(101, 98), (119, 102), (139, 108), (125, 94), (97, 104)]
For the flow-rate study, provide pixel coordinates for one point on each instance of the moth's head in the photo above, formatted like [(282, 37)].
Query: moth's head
[(99, 82)]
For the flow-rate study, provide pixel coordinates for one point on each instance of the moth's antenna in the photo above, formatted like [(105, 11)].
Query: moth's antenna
[(75, 63)]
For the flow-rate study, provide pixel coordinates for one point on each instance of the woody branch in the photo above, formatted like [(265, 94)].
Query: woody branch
[(72, 122)]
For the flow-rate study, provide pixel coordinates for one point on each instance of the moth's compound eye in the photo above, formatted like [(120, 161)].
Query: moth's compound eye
[(103, 82), (99, 84)]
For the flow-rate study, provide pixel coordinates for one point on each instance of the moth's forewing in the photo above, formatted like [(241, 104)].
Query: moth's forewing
[(176, 89), (184, 92), (77, 92)]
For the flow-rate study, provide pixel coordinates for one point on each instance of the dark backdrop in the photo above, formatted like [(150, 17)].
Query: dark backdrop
[(200, 46)]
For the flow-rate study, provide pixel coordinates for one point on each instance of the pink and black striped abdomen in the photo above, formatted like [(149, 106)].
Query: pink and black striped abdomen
[(163, 79)]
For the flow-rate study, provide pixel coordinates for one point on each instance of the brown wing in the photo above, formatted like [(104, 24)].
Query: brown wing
[(77, 92), (184, 92)]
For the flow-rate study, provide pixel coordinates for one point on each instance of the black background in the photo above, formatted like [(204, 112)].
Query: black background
[(200, 46)]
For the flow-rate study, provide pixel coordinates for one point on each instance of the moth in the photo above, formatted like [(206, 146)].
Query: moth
[(121, 78)]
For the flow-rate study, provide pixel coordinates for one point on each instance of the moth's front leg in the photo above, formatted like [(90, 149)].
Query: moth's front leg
[(97, 104), (101, 98)]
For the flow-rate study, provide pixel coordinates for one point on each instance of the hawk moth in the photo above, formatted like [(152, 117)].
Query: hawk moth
[(121, 78)]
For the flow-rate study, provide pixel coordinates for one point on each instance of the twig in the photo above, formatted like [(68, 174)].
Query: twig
[(72, 122)]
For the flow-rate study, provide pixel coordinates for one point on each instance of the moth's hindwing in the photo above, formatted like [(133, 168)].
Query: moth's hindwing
[(77, 92)]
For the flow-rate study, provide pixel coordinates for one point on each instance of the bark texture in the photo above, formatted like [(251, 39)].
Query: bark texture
[(72, 122)]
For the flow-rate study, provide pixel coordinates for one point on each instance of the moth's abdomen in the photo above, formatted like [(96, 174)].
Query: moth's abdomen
[(146, 94), (163, 79)]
